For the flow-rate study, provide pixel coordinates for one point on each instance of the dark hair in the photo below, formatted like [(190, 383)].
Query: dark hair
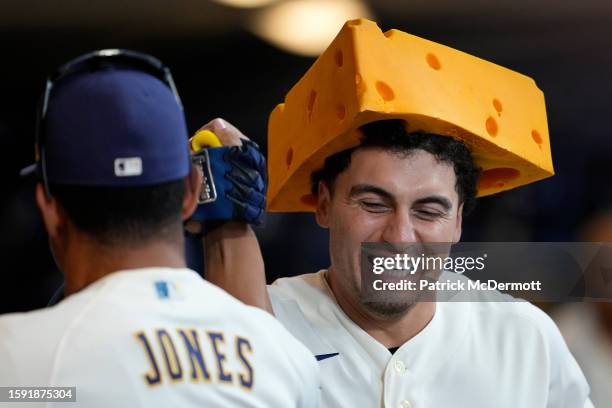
[(391, 135), (124, 215)]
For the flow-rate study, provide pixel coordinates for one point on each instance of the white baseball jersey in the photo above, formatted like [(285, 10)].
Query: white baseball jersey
[(157, 337), (471, 354)]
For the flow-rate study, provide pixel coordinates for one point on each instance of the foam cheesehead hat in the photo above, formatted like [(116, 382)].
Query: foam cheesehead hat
[(111, 118), (366, 75)]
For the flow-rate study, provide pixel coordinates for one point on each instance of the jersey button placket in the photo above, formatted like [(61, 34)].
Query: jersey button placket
[(400, 367), (405, 404)]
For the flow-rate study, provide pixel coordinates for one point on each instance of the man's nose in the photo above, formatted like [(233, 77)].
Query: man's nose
[(399, 229)]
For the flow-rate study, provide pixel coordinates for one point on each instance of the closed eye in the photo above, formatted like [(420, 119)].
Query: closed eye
[(374, 206), (429, 215), (372, 198)]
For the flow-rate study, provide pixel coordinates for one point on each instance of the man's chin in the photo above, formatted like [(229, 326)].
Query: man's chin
[(388, 310)]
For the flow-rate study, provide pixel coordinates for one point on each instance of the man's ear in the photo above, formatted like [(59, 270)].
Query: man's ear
[(53, 216), (459, 223), (323, 205), (193, 185)]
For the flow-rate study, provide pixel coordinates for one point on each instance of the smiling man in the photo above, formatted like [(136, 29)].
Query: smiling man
[(414, 188), (391, 189), (398, 188), (398, 135)]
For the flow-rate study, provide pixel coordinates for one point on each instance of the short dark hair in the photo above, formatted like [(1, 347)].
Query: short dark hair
[(391, 135), (124, 215)]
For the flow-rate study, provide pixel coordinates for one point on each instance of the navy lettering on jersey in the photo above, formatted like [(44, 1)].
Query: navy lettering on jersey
[(243, 348), (183, 353), (153, 376), (215, 339), (199, 372), (173, 364)]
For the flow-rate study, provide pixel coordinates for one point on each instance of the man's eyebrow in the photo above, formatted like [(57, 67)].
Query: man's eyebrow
[(436, 199), (368, 188)]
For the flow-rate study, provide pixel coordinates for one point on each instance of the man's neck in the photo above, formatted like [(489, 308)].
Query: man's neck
[(396, 332), (390, 332), (87, 262)]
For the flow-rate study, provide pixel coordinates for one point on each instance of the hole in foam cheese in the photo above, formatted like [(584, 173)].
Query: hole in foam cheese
[(491, 126), (433, 61), (367, 75), (498, 106), (535, 135), (385, 91)]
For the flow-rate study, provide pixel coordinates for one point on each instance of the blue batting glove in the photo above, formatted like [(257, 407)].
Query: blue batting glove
[(238, 177)]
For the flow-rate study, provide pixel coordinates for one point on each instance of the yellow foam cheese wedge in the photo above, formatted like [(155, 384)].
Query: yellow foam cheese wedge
[(203, 139), (366, 75)]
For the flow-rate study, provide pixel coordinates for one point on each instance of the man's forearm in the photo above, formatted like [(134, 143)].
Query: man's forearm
[(233, 262)]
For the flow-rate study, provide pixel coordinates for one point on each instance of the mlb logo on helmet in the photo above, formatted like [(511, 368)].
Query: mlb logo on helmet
[(126, 167)]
